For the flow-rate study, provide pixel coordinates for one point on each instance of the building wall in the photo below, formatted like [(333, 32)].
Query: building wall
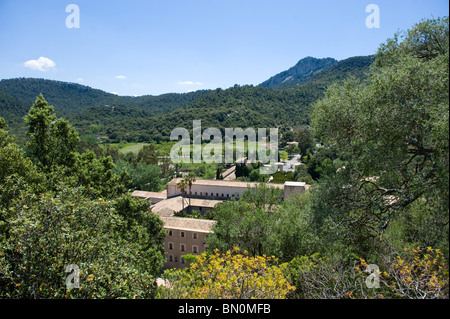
[(290, 190), (182, 242), (208, 191)]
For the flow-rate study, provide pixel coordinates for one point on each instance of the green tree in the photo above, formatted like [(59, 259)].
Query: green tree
[(52, 141), (96, 174), (55, 230), (305, 140), (294, 229), (17, 174), (143, 230), (142, 176), (12, 159), (254, 175), (391, 133), (260, 223), (182, 186), (301, 174), (190, 180), (148, 155)]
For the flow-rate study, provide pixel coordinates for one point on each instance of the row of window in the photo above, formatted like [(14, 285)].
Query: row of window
[(175, 259), (217, 194), (183, 234), (183, 247)]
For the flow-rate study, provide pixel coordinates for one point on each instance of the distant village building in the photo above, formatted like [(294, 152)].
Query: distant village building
[(291, 188), (292, 143), (279, 166)]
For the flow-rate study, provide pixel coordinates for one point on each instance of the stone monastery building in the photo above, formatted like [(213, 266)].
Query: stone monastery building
[(188, 235)]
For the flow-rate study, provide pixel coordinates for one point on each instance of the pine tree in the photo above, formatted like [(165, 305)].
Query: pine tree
[(52, 141)]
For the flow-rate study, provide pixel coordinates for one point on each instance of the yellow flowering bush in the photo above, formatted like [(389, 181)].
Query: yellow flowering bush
[(232, 275), (423, 275), (418, 274)]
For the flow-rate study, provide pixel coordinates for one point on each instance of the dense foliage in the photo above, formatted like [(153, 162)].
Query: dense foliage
[(390, 134), (59, 208), (262, 224)]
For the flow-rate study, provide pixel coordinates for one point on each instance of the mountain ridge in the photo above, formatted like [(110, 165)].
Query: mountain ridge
[(299, 73)]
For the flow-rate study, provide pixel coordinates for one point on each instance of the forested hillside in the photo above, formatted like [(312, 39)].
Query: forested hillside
[(71, 98), (13, 111), (152, 118), (239, 106)]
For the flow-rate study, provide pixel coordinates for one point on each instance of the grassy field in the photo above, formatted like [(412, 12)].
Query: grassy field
[(162, 148), (132, 147), (165, 147)]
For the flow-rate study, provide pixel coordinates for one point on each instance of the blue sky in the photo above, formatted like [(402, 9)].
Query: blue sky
[(138, 47)]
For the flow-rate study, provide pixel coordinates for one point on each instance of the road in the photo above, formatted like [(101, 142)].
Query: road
[(289, 165)]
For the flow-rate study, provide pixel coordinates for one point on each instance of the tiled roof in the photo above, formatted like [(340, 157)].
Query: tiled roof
[(169, 206), (173, 205), (144, 194), (189, 224)]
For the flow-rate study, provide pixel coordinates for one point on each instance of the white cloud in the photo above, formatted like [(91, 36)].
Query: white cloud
[(190, 83), (115, 93), (80, 80), (42, 64), (121, 77)]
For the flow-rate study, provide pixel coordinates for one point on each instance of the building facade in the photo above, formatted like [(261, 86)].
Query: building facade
[(213, 189), (185, 236), (188, 235)]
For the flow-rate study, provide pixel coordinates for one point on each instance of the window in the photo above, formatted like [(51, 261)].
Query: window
[(170, 258), (194, 235), (206, 194), (182, 247), (182, 234), (195, 249), (170, 246), (170, 233), (176, 259)]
